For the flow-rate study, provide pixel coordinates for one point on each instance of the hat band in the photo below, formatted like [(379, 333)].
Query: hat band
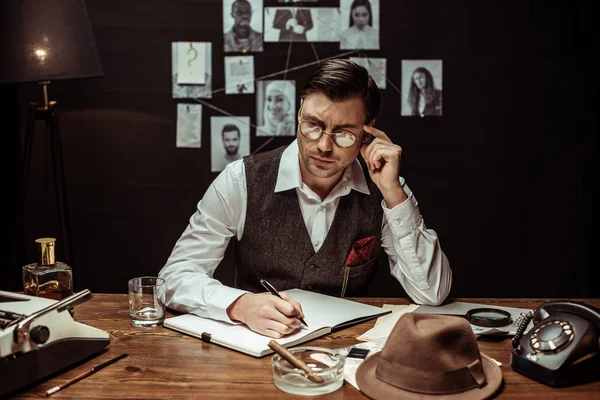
[(431, 382)]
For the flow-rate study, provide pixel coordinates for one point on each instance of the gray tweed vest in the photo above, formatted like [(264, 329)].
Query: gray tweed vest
[(276, 245)]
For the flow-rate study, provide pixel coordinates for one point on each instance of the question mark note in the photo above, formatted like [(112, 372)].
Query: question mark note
[(191, 64)]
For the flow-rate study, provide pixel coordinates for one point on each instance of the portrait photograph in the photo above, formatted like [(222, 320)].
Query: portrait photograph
[(359, 23), (287, 24), (276, 108), (422, 88), (242, 25), (229, 140)]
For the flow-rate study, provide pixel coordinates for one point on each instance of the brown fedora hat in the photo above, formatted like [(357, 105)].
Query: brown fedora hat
[(429, 356)]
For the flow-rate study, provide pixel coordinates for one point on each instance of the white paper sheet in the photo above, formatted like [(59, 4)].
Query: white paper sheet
[(191, 67), (189, 125), (239, 74), (384, 325), (353, 363)]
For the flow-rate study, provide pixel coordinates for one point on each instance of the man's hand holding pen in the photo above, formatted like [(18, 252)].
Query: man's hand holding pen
[(267, 314)]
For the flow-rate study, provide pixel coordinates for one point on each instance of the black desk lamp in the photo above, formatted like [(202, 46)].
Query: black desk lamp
[(44, 41)]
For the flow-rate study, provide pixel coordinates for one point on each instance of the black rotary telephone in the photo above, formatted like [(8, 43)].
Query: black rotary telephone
[(562, 348)]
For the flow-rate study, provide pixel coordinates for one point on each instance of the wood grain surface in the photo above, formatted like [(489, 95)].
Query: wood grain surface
[(164, 364)]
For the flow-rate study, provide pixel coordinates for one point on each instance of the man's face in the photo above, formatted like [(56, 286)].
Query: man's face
[(241, 13), (322, 158), (231, 142)]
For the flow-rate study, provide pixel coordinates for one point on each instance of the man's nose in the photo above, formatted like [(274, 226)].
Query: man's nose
[(325, 143)]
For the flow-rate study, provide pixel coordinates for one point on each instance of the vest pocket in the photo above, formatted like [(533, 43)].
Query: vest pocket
[(357, 275)]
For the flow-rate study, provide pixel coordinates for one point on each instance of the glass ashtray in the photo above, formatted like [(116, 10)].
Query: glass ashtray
[(324, 363)]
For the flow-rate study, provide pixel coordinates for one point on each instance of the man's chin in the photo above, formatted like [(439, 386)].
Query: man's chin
[(322, 171), (243, 32)]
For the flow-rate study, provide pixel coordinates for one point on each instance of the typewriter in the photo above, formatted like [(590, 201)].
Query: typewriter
[(39, 337)]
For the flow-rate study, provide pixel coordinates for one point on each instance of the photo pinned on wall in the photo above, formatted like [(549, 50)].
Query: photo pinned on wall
[(189, 125), (239, 74), (376, 68), (422, 88), (287, 24), (276, 108), (186, 91), (359, 21), (242, 25), (301, 24), (230, 140)]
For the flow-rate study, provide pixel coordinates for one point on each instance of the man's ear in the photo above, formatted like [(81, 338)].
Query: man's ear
[(372, 123)]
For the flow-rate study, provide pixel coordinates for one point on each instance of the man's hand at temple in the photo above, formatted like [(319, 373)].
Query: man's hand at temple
[(383, 160)]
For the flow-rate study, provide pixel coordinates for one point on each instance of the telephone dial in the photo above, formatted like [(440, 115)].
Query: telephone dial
[(563, 346)]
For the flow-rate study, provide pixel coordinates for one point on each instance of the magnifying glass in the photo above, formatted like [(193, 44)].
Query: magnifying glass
[(489, 317)]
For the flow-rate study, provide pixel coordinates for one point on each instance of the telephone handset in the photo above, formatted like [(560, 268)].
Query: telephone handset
[(563, 346)]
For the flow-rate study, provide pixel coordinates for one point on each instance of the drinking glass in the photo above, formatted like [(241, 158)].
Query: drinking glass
[(146, 301)]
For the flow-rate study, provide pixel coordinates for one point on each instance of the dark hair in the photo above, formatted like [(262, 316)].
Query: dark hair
[(341, 79), (230, 128), (428, 90), (361, 3), (239, 2)]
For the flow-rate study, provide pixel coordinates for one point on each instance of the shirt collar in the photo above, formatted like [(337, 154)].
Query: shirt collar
[(289, 177)]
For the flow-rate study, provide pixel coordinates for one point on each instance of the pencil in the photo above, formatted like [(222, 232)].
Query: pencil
[(274, 291), (83, 375)]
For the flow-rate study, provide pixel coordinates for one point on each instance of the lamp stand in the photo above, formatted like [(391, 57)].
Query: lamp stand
[(49, 114)]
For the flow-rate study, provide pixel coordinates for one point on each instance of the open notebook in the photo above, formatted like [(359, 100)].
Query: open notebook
[(323, 314)]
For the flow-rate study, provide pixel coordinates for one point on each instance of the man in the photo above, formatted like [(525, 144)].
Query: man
[(230, 134), (295, 213), (242, 37)]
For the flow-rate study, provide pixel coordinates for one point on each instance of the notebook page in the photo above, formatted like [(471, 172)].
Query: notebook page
[(331, 311)]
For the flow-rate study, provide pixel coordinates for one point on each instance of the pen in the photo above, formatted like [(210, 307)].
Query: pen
[(274, 291), (83, 375)]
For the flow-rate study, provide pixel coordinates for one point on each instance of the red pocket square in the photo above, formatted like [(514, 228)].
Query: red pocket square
[(362, 251)]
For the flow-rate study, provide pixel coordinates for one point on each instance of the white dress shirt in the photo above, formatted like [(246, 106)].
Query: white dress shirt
[(415, 256)]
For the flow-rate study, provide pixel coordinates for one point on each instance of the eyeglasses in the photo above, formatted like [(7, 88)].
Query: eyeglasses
[(313, 131)]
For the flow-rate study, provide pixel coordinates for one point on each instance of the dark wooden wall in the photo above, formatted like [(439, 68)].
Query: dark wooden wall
[(506, 176)]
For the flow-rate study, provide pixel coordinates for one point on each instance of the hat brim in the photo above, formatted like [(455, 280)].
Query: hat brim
[(375, 388)]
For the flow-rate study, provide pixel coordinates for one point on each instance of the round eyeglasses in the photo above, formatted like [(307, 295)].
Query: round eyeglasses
[(313, 131)]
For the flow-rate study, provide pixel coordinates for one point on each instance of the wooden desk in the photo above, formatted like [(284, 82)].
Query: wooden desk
[(164, 364)]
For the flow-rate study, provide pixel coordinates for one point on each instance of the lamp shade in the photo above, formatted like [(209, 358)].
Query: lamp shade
[(46, 41)]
